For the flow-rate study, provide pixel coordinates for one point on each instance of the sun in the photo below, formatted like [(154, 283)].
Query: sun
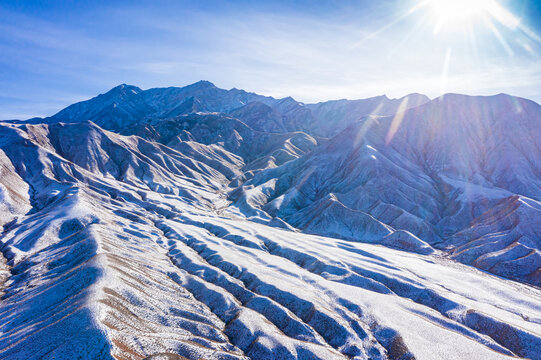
[(454, 14)]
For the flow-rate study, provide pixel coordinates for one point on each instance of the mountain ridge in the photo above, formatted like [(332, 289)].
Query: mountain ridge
[(180, 223)]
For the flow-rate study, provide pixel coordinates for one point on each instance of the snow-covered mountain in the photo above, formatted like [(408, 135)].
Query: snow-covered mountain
[(198, 222), (467, 182)]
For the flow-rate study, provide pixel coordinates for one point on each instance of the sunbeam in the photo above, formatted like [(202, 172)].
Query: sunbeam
[(454, 14)]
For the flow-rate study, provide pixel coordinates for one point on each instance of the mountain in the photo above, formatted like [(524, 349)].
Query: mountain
[(202, 223), (333, 116), (125, 105), (452, 177)]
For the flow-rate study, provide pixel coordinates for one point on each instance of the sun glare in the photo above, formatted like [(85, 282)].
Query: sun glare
[(453, 14)]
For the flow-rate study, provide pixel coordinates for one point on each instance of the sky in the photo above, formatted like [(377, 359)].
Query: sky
[(55, 53)]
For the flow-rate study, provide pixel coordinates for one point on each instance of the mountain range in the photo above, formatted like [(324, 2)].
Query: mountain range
[(198, 222)]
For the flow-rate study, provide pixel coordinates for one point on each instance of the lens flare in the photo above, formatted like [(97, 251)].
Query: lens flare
[(454, 14)]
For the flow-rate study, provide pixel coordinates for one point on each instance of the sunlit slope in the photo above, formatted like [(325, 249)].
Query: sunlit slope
[(460, 173), (105, 268), (197, 236)]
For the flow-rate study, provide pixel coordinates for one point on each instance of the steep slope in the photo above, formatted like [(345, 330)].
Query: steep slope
[(125, 105), (496, 138), (258, 150), (336, 115), (113, 110), (261, 117), (210, 97), (324, 119), (504, 240), (435, 171), (105, 266), (55, 154)]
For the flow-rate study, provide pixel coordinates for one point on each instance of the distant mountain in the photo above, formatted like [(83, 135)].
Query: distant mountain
[(126, 105), (203, 223), (334, 116)]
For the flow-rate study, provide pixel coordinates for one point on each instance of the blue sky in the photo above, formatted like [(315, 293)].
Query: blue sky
[(54, 53)]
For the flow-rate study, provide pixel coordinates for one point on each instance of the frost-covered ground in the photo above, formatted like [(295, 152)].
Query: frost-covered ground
[(95, 276), (194, 235)]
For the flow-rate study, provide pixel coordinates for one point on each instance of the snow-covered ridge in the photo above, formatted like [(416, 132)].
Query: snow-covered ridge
[(463, 181), (125, 105), (205, 223)]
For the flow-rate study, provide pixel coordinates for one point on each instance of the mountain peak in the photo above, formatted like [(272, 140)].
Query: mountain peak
[(123, 89), (287, 100), (416, 96), (202, 84)]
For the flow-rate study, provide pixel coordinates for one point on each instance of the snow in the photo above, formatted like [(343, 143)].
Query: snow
[(199, 236)]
